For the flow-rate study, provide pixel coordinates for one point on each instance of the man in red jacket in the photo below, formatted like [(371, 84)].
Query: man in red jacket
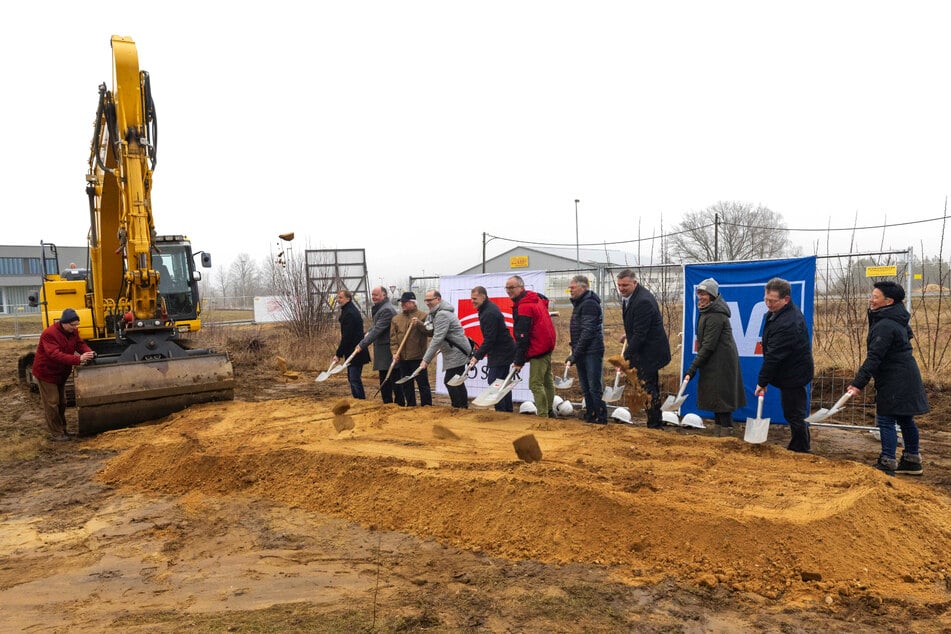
[(534, 335), (60, 348)]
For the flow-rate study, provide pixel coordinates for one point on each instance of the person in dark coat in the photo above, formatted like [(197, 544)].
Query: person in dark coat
[(648, 349), (60, 348), (497, 347), (899, 391), (787, 359), (587, 347), (351, 332), (720, 387), (379, 335)]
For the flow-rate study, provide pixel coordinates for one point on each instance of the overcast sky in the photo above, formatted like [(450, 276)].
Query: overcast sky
[(410, 128)]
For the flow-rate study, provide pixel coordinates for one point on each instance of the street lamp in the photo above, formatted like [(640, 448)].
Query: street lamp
[(577, 242)]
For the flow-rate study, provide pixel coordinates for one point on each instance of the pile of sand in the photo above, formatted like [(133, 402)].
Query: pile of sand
[(649, 505)]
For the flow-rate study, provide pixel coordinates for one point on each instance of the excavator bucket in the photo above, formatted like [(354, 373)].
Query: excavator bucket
[(116, 395)]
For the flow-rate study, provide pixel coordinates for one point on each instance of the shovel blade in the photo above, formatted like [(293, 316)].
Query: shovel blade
[(612, 394), (819, 415), (563, 384), (457, 380), (494, 393), (323, 376), (757, 429), (673, 403), (407, 379)]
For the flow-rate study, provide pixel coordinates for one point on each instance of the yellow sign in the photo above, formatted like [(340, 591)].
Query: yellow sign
[(518, 262), (881, 271), (917, 276)]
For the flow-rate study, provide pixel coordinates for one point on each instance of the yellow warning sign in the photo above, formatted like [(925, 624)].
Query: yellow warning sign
[(881, 271), (518, 262)]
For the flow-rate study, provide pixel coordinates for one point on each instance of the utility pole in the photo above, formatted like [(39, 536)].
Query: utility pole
[(577, 242)]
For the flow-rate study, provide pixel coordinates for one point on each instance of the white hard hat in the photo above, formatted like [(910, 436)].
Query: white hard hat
[(555, 402), (621, 414), (670, 418), (565, 409), (527, 407), (692, 420)]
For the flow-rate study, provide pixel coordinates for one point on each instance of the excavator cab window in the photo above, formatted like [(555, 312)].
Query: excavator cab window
[(175, 281)]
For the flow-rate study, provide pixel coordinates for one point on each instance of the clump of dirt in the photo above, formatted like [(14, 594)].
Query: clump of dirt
[(340, 407), (677, 506)]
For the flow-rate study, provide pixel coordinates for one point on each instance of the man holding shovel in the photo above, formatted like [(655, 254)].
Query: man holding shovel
[(787, 359), (587, 347), (450, 339), (648, 349), (409, 322), (535, 339), (351, 331), (379, 335), (497, 343)]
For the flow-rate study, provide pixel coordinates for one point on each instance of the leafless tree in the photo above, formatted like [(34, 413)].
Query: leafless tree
[(244, 278), (729, 231)]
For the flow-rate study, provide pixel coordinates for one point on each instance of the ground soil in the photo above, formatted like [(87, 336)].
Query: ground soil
[(273, 514)]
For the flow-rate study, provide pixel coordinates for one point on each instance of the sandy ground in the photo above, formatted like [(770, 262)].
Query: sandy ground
[(272, 513)]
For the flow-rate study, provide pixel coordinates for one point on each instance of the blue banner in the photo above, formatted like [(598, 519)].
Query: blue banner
[(741, 286)]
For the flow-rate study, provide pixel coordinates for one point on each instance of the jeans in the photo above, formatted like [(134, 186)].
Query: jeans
[(422, 381), (494, 372), (458, 394), (909, 434), (354, 373), (388, 391), (590, 370), (650, 380), (542, 383), (793, 400)]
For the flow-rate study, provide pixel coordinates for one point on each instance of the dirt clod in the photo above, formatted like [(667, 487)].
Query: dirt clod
[(340, 406)]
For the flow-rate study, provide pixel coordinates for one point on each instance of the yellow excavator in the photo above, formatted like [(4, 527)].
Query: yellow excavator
[(138, 294)]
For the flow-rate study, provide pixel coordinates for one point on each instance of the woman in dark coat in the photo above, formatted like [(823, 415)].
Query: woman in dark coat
[(720, 386), (899, 391)]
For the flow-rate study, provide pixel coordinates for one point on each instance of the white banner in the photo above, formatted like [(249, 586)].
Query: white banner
[(269, 309), (457, 290)]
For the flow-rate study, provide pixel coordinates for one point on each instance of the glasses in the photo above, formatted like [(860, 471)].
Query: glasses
[(429, 299), (771, 300), (509, 288)]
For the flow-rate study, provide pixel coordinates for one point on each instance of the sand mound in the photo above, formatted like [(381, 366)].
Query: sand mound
[(650, 506)]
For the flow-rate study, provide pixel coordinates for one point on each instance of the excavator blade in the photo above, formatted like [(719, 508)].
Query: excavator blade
[(112, 396)]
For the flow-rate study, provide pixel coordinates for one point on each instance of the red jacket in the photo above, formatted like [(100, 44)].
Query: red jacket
[(56, 354), (532, 327)]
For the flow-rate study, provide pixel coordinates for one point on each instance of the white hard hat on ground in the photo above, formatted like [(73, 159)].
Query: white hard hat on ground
[(527, 407), (692, 420), (555, 402), (621, 414), (670, 418), (565, 409)]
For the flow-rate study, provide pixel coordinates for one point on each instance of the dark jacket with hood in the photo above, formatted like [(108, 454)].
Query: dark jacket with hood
[(497, 342), (587, 326), (898, 387), (787, 349), (647, 345), (720, 386), (351, 332), (533, 329)]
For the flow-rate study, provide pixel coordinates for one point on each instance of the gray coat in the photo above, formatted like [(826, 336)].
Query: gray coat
[(446, 327), (379, 334), (720, 386)]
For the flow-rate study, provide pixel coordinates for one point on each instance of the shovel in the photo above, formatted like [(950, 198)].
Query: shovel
[(393, 362), (459, 379), (346, 364), (323, 376), (824, 413), (499, 388), (673, 403), (757, 428), (407, 379), (563, 382), (612, 394)]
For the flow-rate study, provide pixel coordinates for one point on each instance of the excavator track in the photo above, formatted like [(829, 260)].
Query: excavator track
[(117, 395)]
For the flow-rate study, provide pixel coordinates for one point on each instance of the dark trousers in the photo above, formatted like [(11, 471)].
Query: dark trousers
[(422, 381), (458, 394), (793, 400), (388, 391), (650, 381), (354, 377), (590, 369), (494, 372), (724, 419), (53, 396)]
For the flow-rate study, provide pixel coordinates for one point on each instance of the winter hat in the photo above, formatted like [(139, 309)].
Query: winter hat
[(408, 296), (69, 316), (709, 285)]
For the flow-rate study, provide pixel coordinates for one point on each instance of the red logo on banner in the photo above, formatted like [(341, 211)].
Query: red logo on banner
[(469, 316)]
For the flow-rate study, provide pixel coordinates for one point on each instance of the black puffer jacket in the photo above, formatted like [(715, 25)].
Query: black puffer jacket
[(787, 351), (898, 387), (587, 326), (647, 346)]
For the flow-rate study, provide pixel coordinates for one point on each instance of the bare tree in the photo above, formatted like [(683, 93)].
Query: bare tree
[(731, 230), (244, 277)]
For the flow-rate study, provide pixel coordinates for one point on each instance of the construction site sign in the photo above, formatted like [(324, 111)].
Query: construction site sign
[(881, 271)]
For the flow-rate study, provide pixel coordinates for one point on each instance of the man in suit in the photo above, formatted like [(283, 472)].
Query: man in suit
[(648, 349)]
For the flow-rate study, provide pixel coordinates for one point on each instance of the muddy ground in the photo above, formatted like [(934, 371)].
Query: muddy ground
[(271, 514)]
